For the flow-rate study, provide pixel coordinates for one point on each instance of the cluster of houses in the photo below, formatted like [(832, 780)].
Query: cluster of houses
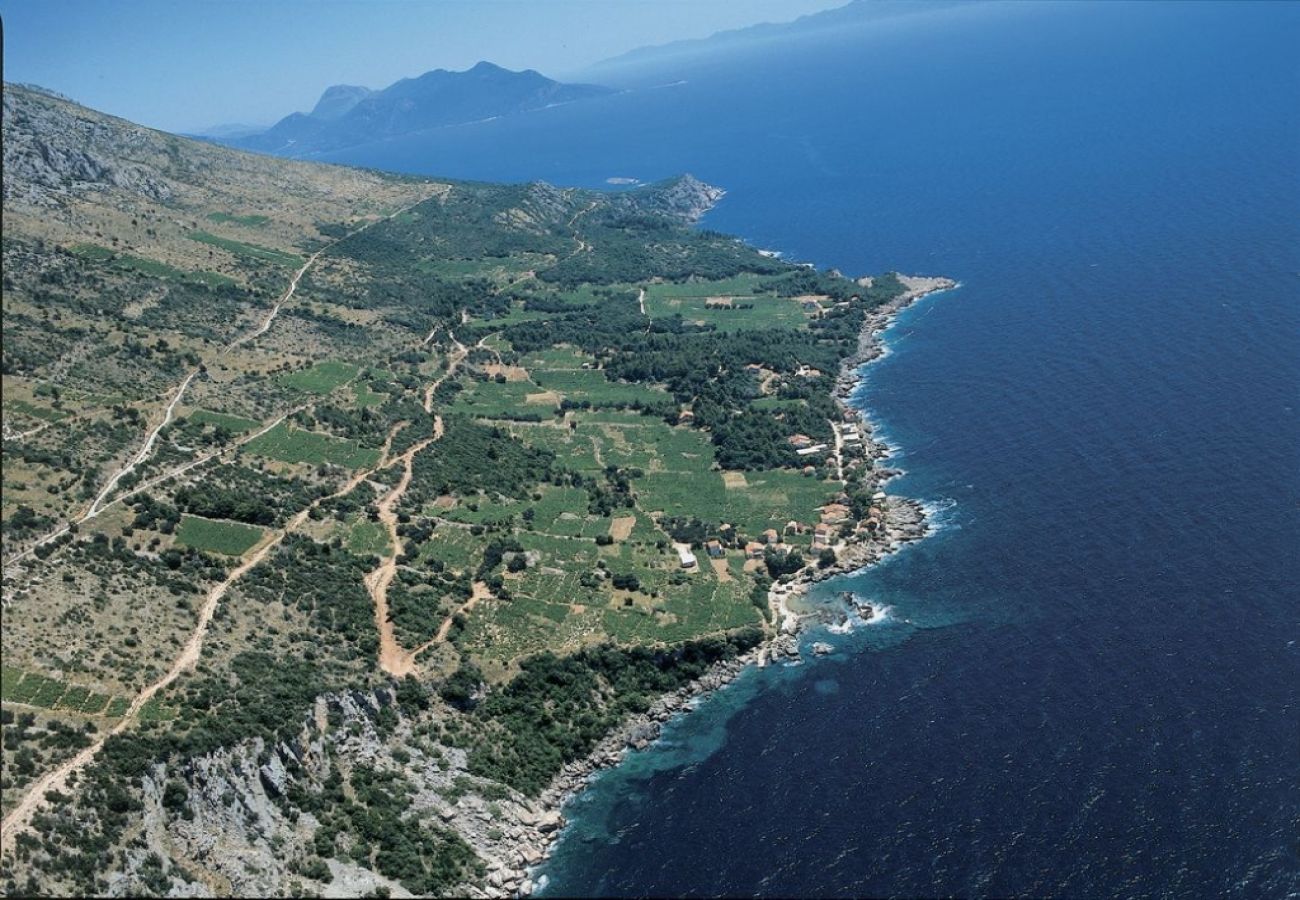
[(804, 446), (833, 516)]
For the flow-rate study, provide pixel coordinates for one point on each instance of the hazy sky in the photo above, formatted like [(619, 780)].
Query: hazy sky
[(183, 65)]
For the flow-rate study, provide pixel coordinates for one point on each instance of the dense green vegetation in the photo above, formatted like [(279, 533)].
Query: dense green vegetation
[(557, 709)]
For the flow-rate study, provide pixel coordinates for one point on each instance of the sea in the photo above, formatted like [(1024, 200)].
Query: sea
[(1086, 681)]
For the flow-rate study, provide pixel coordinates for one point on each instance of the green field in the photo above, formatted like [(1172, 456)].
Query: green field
[(43, 413), (366, 538), (237, 424), (228, 538), (320, 378), (252, 221), (294, 445), (252, 251), (37, 690), (365, 396), (767, 311), (149, 267), (592, 386), (490, 400)]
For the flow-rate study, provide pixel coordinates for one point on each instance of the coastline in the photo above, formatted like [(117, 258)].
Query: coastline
[(902, 521)]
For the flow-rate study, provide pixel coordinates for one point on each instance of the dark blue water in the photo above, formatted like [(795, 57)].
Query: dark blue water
[(1089, 680)]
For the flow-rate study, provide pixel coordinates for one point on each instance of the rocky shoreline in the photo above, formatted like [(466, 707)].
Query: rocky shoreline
[(904, 520)]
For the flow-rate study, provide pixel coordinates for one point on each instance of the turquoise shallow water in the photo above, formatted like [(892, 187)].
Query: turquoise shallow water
[(1089, 682)]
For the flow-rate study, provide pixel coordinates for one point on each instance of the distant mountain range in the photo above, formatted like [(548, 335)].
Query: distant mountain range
[(658, 60), (347, 115)]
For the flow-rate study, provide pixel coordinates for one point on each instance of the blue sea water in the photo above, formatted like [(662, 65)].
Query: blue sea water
[(1088, 683)]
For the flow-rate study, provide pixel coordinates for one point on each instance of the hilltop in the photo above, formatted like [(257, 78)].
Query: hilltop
[(347, 515)]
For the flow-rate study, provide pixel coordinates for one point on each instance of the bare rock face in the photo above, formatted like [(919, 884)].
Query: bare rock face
[(684, 198), (50, 153)]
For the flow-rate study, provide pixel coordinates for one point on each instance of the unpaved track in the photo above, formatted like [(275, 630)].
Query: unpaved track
[(480, 592), (99, 503), (97, 506), (393, 659), (155, 481), (57, 779)]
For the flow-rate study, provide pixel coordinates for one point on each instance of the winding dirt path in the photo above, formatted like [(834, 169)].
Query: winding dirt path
[(57, 779), (154, 482), (480, 592), (393, 658), (97, 505)]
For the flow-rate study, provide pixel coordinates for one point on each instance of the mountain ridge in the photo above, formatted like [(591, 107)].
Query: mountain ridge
[(347, 115)]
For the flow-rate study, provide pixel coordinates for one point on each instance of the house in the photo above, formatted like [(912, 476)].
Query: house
[(822, 535), (835, 512), (771, 537), (793, 526), (753, 550), (807, 451), (713, 548), (799, 441), (686, 556), (686, 416), (810, 470)]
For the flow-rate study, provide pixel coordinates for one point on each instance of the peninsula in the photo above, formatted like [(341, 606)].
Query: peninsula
[(351, 520)]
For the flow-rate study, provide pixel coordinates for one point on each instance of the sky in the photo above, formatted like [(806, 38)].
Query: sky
[(185, 65)]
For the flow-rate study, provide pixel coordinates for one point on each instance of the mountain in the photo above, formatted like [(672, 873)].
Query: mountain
[(650, 61), (347, 115), (338, 101)]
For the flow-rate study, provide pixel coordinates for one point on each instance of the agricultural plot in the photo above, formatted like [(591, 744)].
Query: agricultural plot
[(44, 413), (481, 510), (563, 511), (217, 536), (514, 398), (577, 450), (237, 424), (731, 304), (250, 221), (294, 445), (455, 547), (509, 631), (251, 251), (320, 378), (17, 686), (702, 607), (591, 386), (150, 267), (562, 357), (365, 396), (367, 538)]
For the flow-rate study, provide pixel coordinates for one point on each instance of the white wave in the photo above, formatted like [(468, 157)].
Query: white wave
[(939, 514)]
